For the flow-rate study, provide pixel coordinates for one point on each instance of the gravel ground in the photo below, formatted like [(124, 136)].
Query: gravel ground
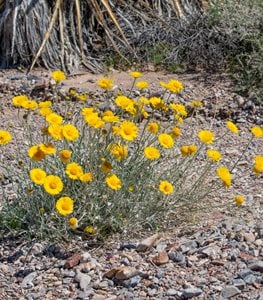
[(219, 255)]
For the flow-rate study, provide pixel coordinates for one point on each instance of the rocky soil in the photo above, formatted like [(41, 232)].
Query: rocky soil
[(219, 256)]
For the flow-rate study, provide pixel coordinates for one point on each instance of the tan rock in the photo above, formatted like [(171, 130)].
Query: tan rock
[(148, 242), (126, 272), (161, 258), (72, 261)]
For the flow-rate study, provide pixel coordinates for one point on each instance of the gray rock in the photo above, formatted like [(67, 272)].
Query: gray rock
[(239, 283), (187, 246), (250, 279), (244, 273), (132, 282), (249, 237), (210, 251), (191, 292), (85, 257), (172, 292), (230, 291), (256, 266), (83, 280), (28, 280), (177, 256)]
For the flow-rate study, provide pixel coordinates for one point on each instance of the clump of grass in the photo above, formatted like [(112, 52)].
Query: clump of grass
[(95, 172)]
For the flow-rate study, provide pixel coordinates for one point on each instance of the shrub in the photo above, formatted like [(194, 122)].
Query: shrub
[(97, 171)]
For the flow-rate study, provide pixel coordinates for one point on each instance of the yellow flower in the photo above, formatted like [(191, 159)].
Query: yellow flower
[(55, 131), (113, 182), (53, 185), (82, 97), (65, 155), (258, 164), (38, 176), (179, 108), (206, 136), (35, 153), (157, 103), (123, 102), (144, 101), (179, 118), (184, 150), (166, 187), (128, 131), (131, 188), (105, 83), (109, 117), (175, 133), (214, 155), (196, 103), (119, 151), (54, 119), (74, 170), (106, 167), (153, 127), (239, 199), (232, 127), (224, 174), (257, 131), (192, 149), (44, 104), (86, 177), (94, 121), (5, 137), (151, 153), (45, 111), (64, 206), (90, 229), (142, 85), (86, 111), (135, 74), (58, 76), (30, 104), (70, 132), (47, 149), (173, 86), (166, 140), (20, 100), (115, 130), (73, 223)]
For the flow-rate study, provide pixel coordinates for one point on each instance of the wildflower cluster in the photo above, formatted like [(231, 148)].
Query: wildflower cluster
[(95, 170)]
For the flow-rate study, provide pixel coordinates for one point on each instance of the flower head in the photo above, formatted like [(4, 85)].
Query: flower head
[(214, 155), (175, 133), (142, 85), (74, 171), (54, 119), (109, 117), (93, 120), (106, 166), (70, 132), (258, 164), (38, 176), (166, 140), (113, 182), (90, 229), (153, 127), (47, 149), (232, 127), (20, 100), (105, 83), (151, 153), (174, 86), (53, 185), (55, 131), (5, 137), (128, 131), (196, 103), (206, 136), (239, 199), (166, 187), (224, 174), (35, 153), (86, 177), (180, 109), (58, 76), (257, 131), (73, 223), (64, 206), (135, 74), (119, 150), (65, 155)]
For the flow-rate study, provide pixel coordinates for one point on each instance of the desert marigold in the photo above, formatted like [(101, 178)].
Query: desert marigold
[(54, 119), (45, 104), (232, 127), (257, 131), (258, 164), (142, 85), (19, 100), (153, 127), (82, 97), (5, 137), (55, 131), (206, 136), (105, 83), (224, 174), (239, 200), (179, 109), (113, 182), (53, 185), (196, 103), (109, 117), (90, 230), (115, 130), (48, 149), (135, 74), (106, 166), (173, 86), (58, 76), (74, 171), (94, 121), (65, 155), (30, 104), (151, 153), (119, 150), (166, 187), (70, 132), (175, 133), (157, 102), (86, 111), (45, 111), (184, 150), (128, 130), (73, 223), (64, 206), (144, 100), (38, 176), (86, 177), (214, 155), (35, 153), (123, 102), (192, 149), (166, 140)]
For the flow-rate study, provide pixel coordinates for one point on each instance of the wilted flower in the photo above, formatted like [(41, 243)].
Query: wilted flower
[(35, 153), (90, 230), (166, 187), (153, 127), (106, 166), (239, 199), (73, 223), (175, 133), (64, 206), (196, 103), (65, 155), (47, 149)]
